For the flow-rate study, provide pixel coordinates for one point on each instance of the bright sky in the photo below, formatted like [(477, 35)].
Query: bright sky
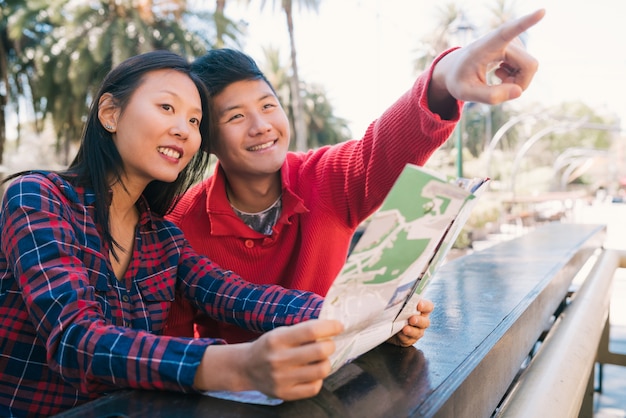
[(361, 51)]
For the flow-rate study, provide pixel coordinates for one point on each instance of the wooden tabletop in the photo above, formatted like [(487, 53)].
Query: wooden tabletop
[(490, 308)]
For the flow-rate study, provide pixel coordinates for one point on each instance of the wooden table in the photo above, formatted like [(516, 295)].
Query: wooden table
[(491, 307)]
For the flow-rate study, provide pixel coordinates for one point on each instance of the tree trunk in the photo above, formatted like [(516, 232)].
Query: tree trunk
[(218, 17), (4, 94), (296, 99), (3, 127)]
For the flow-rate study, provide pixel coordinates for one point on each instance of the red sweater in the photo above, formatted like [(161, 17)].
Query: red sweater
[(326, 194)]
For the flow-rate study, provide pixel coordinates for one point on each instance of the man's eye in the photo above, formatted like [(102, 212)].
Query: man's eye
[(237, 116)]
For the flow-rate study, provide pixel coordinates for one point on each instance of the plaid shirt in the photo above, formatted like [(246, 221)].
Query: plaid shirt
[(72, 331)]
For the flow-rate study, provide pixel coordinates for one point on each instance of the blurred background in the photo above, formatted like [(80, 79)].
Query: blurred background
[(554, 155), (337, 65)]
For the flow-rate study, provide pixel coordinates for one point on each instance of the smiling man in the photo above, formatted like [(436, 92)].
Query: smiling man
[(279, 217)]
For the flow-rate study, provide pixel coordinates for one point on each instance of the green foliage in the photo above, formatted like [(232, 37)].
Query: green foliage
[(583, 128), (59, 50), (480, 223), (22, 26), (323, 127), (72, 45), (439, 39)]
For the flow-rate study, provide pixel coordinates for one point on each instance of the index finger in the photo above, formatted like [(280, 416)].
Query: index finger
[(511, 30), (313, 330)]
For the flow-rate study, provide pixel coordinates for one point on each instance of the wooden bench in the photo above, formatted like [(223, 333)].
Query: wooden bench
[(502, 324)]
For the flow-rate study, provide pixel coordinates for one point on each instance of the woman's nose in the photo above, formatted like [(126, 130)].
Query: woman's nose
[(180, 128)]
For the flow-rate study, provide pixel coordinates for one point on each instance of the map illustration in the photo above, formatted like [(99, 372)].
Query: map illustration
[(402, 245)]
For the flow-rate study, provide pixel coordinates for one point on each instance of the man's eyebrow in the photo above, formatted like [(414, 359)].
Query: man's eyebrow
[(228, 109), (268, 95)]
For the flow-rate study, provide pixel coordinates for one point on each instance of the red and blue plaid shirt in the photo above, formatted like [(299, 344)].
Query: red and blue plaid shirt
[(71, 331)]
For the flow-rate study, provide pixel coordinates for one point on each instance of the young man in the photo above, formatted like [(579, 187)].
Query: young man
[(270, 213)]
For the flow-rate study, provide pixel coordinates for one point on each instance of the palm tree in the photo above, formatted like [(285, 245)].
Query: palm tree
[(52, 52), (501, 11), (87, 41), (440, 39), (278, 76), (220, 5), (296, 89), (5, 47), (221, 23), (15, 64), (322, 126), (223, 32)]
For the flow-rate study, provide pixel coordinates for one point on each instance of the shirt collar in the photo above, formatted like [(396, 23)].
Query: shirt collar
[(217, 204), (146, 218), (88, 198)]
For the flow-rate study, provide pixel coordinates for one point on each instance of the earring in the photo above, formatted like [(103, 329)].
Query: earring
[(108, 127)]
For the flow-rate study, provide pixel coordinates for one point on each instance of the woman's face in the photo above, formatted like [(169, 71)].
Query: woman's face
[(252, 129), (158, 131)]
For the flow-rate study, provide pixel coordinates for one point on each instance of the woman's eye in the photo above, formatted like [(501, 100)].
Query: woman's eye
[(195, 121), (166, 107)]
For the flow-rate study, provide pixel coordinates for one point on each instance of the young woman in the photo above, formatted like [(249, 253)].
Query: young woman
[(269, 214), (89, 267)]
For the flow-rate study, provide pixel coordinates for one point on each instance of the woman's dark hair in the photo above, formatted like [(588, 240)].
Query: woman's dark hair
[(98, 161)]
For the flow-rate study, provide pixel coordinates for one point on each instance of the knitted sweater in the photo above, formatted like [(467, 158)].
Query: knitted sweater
[(326, 194)]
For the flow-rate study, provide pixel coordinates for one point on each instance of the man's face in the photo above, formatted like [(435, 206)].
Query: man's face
[(253, 129)]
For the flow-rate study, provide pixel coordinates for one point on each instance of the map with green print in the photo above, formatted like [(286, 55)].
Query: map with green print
[(401, 247)]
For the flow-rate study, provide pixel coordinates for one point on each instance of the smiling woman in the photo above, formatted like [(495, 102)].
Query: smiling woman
[(162, 115), (90, 267)]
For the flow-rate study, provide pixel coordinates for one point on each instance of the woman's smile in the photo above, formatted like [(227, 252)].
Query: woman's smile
[(173, 153)]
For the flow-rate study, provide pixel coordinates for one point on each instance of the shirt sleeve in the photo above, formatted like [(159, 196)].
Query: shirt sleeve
[(354, 177), (225, 296), (42, 244)]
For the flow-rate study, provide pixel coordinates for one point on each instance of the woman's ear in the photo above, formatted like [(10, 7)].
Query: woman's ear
[(108, 112)]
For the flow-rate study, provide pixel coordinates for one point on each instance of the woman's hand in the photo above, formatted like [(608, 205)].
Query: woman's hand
[(288, 363)]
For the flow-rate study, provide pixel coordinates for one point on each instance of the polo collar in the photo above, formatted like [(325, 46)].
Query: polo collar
[(223, 219)]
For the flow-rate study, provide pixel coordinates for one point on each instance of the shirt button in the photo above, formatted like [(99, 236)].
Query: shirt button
[(249, 243), (125, 298)]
